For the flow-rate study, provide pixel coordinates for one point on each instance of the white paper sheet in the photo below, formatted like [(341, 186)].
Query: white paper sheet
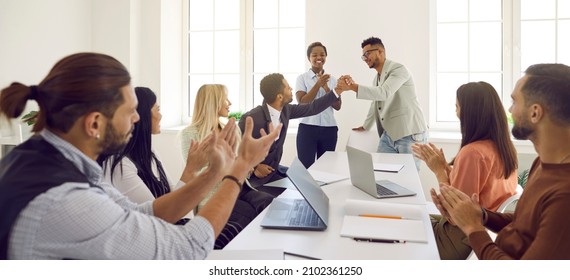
[(325, 178), (388, 167), (384, 229), (409, 227)]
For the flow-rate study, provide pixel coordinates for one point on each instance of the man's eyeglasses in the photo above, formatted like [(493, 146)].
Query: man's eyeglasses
[(367, 53)]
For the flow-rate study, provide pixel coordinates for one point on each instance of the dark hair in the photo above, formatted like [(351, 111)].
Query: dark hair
[(313, 45), (76, 85), (139, 148), (482, 116), (372, 41), (270, 86), (549, 86)]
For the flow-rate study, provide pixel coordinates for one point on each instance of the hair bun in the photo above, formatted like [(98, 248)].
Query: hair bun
[(33, 93)]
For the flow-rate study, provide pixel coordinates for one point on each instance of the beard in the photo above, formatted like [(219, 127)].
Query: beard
[(114, 142), (374, 63), (522, 130)]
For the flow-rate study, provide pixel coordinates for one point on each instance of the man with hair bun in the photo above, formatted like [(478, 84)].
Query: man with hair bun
[(53, 199)]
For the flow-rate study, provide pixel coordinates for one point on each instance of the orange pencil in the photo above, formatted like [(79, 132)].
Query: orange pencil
[(379, 216)]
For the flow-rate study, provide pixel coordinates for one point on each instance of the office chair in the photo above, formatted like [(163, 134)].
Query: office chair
[(508, 206)]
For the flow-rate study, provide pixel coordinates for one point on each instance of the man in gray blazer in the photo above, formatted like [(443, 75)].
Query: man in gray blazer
[(395, 107)]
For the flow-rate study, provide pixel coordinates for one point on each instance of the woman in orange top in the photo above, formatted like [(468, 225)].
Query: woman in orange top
[(485, 164)]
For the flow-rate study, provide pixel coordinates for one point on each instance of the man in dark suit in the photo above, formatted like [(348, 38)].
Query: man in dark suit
[(276, 108)]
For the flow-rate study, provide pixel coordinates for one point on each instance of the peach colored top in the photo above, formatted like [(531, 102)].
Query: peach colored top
[(477, 169)]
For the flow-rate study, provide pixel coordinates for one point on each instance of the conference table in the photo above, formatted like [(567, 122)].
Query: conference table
[(328, 244)]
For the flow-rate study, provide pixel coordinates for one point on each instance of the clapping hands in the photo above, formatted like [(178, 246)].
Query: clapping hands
[(252, 151), (458, 208), (434, 159), (216, 150), (323, 80)]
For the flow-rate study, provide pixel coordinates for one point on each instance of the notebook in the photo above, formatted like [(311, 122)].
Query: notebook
[(362, 176), (310, 213), (383, 222)]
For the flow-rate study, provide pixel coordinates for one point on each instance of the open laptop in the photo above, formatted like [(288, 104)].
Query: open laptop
[(362, 176), (310, 213)]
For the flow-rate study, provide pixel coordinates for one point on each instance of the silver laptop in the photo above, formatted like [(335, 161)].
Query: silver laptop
[(362, 176), (310, 213)]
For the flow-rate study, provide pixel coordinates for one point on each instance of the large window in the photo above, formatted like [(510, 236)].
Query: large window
[(236, 43), (494, 41)]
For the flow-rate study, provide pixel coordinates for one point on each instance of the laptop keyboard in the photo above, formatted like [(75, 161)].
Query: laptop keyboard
[(304, 215), (384, 191)]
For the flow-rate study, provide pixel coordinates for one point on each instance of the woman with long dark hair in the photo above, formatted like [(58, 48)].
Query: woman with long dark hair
[(485, 165), (136, 171)]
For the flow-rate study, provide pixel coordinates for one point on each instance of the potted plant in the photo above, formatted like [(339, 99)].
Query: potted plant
[(30, 118), (235, 115)]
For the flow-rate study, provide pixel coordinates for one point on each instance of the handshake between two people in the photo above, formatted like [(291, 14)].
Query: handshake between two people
[(345, 83)]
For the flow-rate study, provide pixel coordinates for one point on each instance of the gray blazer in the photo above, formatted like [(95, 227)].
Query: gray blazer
[(394, 107)]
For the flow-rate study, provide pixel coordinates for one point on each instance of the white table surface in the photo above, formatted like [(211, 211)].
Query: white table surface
[(329, 244)]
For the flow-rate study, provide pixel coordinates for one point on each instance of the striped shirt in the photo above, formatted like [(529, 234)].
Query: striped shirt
[(76, 221)]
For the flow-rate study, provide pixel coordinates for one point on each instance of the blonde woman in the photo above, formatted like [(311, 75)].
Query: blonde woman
[(211, 105), (211, 110)]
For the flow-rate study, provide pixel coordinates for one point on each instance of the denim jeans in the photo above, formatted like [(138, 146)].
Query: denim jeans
[(403, 145)]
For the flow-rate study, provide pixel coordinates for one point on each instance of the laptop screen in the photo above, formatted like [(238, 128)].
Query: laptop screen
[(309, 189), (361, 168)]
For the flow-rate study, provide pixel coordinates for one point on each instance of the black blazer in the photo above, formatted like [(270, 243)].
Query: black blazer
[(262, 119)]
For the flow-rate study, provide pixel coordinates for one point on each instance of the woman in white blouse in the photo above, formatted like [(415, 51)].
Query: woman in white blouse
[(319, 133)]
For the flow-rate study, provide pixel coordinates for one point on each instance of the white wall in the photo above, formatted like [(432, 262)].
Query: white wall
[(35, 35), (111, 29), (144, 35), (32, 40)]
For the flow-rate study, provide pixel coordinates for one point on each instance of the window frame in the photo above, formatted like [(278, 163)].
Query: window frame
[(246, 75), (511, 57)]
